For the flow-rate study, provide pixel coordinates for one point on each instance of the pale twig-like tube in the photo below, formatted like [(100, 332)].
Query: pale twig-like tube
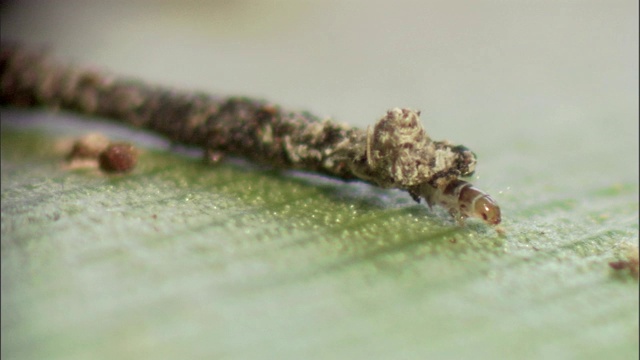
[(395, 153)]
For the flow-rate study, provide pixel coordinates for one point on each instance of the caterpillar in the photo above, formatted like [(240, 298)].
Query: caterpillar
[(396, 152)]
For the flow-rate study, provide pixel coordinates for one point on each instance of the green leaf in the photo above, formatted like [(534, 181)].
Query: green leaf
[(184, 260)]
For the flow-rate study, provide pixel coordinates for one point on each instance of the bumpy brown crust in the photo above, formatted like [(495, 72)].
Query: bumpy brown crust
[(395, 153), (400, 153)]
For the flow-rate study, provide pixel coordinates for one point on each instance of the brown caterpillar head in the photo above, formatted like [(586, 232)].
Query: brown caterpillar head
[(475, 202), (487, 209)]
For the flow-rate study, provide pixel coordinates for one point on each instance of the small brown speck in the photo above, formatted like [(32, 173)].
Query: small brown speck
[(619, 265), (628, 261), (622, 265), (118, 158)]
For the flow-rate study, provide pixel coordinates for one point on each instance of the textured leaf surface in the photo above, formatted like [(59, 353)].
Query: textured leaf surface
[(184, 260)]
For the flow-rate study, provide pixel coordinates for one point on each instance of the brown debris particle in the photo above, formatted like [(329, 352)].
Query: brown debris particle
[(628, 261), (118, 158), (96, 150)]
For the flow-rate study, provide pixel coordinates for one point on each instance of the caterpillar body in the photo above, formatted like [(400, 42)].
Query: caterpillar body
[(396, 152)]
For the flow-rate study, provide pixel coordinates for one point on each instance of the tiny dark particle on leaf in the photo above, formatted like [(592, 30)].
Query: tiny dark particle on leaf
[(118, 158), (618, 265), (627, 261), (630, 266)]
